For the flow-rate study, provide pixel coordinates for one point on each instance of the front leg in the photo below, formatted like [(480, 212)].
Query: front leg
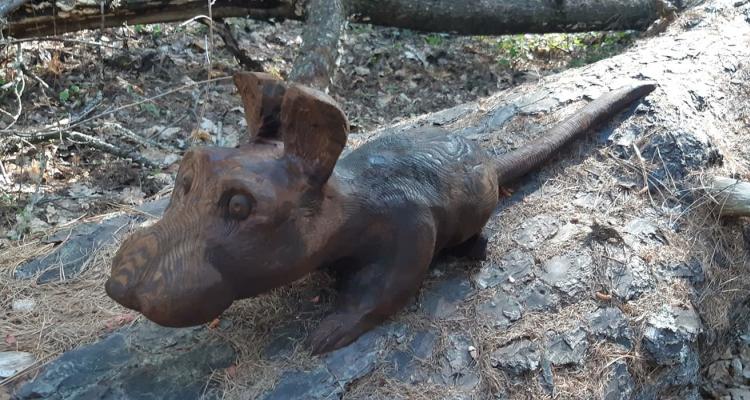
[(376, 290)]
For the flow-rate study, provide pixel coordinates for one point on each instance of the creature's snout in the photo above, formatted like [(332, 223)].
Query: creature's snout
[(128, 266), (167, 281)]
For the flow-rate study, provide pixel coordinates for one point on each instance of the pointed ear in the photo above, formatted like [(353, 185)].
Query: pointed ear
[(262, 95), (314, 129)]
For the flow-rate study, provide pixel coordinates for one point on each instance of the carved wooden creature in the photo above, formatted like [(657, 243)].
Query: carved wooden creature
[(245, 220)]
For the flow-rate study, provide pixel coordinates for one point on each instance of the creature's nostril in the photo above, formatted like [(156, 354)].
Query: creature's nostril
[(121, 294)]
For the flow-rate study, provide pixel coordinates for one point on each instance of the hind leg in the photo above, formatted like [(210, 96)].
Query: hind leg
[(376, 291)]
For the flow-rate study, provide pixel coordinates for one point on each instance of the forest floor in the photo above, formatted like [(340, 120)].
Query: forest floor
[(385, 75)]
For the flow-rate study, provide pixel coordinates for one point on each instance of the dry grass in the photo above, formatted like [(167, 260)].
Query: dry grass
[(64, 316)]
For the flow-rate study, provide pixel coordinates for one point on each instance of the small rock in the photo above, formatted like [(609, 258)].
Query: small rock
[(620, 383), (737, 367), (641, 230), (623, 138), (407, 365), (567, 232), (628, 280), (677, 380), (209, 126), (568, 272), (362, 71), (457, 367), (610, 323), (517, 357), (359, 358), (13, 362), (499, 311), (169, 133), (23, 305), (170, 159), (442, 300), (539, 297), (314, 385), (516, 264), (670, 333), (739, 393), (691, 270), (568, 348), (546, 378), (535, 231), (677, 153)]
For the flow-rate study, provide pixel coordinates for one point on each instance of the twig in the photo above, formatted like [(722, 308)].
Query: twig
[(99, 47), (643, 171), (138, 138), (225, 33), (64, 122), (59, 39), (20, 81), (209, 48), (3, 174), (95, 143)]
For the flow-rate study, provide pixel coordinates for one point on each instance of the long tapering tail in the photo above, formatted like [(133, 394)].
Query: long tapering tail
[(517, 163)]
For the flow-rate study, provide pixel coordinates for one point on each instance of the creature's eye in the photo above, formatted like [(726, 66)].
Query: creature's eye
[(239, 206)]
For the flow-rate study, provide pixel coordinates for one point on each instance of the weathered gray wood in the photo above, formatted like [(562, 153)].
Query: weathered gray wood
[(732, 196), (489, 17), (316, 59)]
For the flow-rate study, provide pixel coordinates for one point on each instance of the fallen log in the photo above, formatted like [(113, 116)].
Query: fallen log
[(493, 17)]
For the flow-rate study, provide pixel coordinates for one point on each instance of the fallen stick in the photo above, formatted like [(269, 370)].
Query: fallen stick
[(732, 196)]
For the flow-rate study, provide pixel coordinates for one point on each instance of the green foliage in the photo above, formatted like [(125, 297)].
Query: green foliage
[(66, 94), (433, 39), (23, 223), (155, 30), (151, 108), (577, 48)]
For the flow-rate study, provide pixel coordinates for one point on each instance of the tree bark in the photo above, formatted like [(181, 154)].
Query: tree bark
[(489, 17), (316, 59)]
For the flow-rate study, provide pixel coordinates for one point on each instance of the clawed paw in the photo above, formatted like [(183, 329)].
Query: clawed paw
[(334, 332)]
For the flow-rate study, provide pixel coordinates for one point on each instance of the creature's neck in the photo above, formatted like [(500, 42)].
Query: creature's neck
[(334, 231)]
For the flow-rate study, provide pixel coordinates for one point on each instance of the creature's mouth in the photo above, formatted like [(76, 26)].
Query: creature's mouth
[(198, 294), (176, 312)]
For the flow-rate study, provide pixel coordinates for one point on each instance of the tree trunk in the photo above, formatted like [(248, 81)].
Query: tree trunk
[(490, 17), (316, 59)]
